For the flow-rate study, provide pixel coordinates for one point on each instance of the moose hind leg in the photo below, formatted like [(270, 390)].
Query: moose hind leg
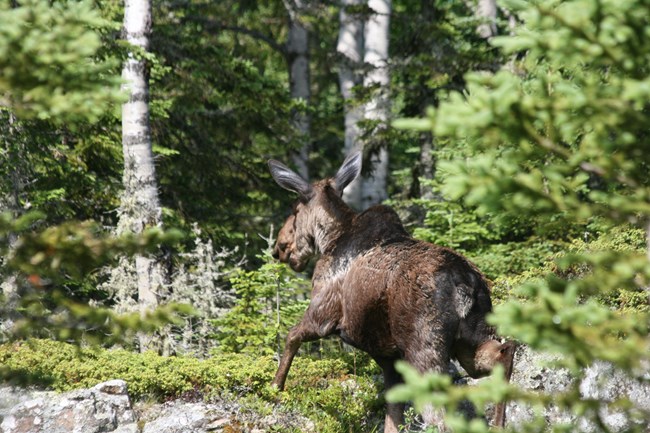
[(480, 360), (394, 411), (435, 359)]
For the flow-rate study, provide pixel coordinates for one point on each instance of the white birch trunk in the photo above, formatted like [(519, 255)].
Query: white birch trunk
[(486, 10), (350, 52), (378, 108), (647, 231), (427, 165), (298, 57), (14, 155), (140, 207)]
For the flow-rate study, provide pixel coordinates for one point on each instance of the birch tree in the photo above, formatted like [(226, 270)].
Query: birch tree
[(486, 10), (298, 59), (377, 110), (140, 206), (349, 49), (14, 170)]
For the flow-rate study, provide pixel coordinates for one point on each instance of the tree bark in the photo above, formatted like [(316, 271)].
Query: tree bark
[(350, 53), (378, 108), (14, 155), (487, 11), (140, 206), (647, 230), (299, 79), (427, 166)]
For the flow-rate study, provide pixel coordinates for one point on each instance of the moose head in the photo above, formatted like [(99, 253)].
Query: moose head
[(319, 213)]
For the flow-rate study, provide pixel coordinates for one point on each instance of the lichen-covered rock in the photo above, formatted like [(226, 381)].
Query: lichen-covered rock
[(107, 408), (533, 371), (181, 417), (103, 408), (601, 381), (224, 416), (605, 383)]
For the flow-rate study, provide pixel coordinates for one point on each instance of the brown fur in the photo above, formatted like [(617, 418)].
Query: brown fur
[(382, 291)]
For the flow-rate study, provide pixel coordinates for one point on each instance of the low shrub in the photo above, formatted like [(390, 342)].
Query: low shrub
[(323, 390), (591, 259)]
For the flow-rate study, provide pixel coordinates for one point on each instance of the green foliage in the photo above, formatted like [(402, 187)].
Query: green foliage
[(513, 258), (628, 243), (227, 112), (559, 136), (560, 119), (74, 248), (50, 64), (268, 304), (45, 261), (499, 245), (321, 390), (60, 74), (449, 224)]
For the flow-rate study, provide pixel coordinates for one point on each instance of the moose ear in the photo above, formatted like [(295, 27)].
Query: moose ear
[(288, 179), (349, 170)]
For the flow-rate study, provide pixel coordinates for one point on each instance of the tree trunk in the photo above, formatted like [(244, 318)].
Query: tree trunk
[(647, 230), (299, 82), (486, 10), (14, 158), (378, 108), (140, 207), (427, 166), (350, 53)]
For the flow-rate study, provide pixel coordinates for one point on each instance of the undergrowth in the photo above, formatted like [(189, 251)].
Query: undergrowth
[(323, 390), (601, 241)]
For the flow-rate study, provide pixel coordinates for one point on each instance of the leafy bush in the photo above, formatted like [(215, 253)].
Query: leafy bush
[(50, 63), (626, 242)]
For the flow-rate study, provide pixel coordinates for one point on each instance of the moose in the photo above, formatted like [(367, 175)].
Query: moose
[(382, 291)]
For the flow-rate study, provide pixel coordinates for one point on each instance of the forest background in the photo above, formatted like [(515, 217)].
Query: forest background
[(522, 143)]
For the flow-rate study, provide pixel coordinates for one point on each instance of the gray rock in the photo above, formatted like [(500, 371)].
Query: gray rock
[(224, 416), (179, 417), (11, 396), (604, 382), (534, 371), (103, 408), (107, 408)]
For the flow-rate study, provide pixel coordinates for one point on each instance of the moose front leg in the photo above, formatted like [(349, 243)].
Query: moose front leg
[(306, 330), (506, 357), (294, 339)]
